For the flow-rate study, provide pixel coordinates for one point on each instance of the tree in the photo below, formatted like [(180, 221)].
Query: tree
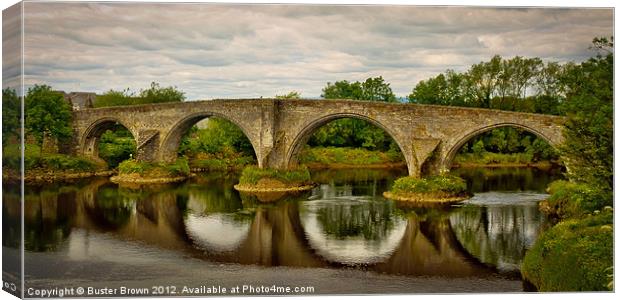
[(47, 114), (154, 94), (11, 115), (372, 89), (588, 145), (350, 132), (290, 95)]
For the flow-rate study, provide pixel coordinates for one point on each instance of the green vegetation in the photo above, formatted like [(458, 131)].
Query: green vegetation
[(348, 156), (574, 255), (438, 184), (574, 200), (506, 146), (360, 141), (116, 145), (35, 160), (179, 168), (154, 94), (11, 115), (251, 175), (220, 145), (577, 253), (47, 114), (290, 95)]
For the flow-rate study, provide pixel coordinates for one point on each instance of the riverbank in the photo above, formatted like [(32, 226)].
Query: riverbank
[(576, 254)]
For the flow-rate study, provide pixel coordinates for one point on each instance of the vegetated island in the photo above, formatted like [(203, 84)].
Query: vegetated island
[(256, 180), (133, 171), (440, 189)]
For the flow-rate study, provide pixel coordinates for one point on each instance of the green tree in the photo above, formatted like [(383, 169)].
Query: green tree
[(588, 145), (154, 94), (47, 114), (11, 115), (350, 132)]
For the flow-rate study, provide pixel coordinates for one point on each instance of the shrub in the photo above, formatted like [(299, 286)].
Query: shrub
[(34, 160), (252, 174), (434, 184), (574, 255), (570, 199)]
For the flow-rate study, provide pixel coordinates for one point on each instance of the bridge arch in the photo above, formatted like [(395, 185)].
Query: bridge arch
[(453, 149), (301, 139), (170, 145), (90, 139)]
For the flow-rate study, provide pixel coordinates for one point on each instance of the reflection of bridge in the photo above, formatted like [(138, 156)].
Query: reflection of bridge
[(278, 129), (275, 235)]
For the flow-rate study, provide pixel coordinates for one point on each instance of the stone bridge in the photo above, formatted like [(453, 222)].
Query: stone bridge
[(428, 135)]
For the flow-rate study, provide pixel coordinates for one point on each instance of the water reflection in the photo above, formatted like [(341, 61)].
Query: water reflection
[(344, 222)]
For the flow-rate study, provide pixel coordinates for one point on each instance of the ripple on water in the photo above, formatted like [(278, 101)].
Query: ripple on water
[(505, 198)]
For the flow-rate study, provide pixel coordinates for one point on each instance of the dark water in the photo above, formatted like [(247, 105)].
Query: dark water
[(342, 237)]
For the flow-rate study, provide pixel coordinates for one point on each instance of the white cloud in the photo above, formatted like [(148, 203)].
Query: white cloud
[(231, 51)]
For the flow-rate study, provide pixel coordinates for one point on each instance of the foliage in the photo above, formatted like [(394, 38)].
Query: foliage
[(573, 200), (588, 145), (574, 255), (373, 89), (154, 94), (439, 183), (355, 133), (290, 95), (498, 83), (252, 174), (220, 135), (506, 145), (116, 146), (34, 160), (489, 158), (352, 156), (11, 115), (47, 114), (180, 167)]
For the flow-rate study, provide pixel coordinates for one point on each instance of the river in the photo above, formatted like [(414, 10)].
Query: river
[(341, 237)]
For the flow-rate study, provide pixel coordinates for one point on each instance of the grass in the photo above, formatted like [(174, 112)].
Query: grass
[(488, 158), (574, 200), (447, 184), (574, 255), (220, 161), (35, 160), (351, 156), (154, 170), (252, 174)]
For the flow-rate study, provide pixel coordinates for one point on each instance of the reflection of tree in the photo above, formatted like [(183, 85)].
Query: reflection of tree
[(498, 235), (507, 179), (47, 218), (373, 220), (113, 206)]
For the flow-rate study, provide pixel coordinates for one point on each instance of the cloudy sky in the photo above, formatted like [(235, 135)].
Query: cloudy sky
[(234, 51)]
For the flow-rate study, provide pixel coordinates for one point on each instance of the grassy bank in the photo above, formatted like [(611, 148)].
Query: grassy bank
[(499, 159), (343, 157), (439, 188), (577, 253), (220, 161), (46, 166), (574, 255)]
